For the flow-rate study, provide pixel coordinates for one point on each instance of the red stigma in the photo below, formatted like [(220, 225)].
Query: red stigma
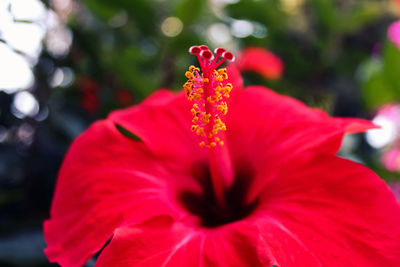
[(219, 51), (208, 60), (207, 54), (228, 56), (194, 50)]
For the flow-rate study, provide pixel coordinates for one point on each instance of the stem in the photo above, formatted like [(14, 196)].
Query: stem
[(221, 168), (217, 178), (200, 61), (219, 63)]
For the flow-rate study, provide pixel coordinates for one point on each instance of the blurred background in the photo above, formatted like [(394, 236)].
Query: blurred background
[(66, 63)]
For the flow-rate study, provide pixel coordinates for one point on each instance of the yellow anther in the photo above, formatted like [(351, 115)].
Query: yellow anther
[(200, 131), (197, 96), (193, 68), (208, 124), (189, 75), (206, 118), (223, 107), (221, 70)]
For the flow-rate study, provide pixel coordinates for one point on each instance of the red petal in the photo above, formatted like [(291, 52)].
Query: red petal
[(278, 124), (352, 125), (327, 211), (265, 127), (261, 61), (163, 122), (160, 242), (234, 77), (107, 180)]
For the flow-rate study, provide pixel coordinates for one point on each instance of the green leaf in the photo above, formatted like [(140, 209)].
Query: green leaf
[(130, 64), (391, 66), (140, 11), (189, 10), (103, 11), (326, 13), (267, 12), (127, 133), (376, 91), (363, 14)]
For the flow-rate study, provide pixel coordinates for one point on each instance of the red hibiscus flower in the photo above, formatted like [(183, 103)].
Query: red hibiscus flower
[(249, 180)]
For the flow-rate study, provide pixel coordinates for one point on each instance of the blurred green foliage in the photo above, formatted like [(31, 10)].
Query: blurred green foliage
[(322, 43)]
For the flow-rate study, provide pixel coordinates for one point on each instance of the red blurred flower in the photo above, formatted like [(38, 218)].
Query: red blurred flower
[(274, 193), (262, 61), (398, 6), (89, 99), (124, 97)]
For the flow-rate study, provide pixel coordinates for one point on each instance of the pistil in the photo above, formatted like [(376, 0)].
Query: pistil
[(208, 89)]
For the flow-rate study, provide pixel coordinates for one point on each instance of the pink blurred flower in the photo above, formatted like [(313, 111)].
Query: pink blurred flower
[(391, 159), (387, 137), (393, 33)]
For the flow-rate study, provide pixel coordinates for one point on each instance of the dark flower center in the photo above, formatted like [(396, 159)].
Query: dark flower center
[(205, 205)]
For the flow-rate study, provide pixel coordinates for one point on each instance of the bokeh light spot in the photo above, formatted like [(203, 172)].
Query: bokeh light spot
[(242, 28), (15, 71), (172, 26), (219, 33), (25, 104), (379, 138)]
